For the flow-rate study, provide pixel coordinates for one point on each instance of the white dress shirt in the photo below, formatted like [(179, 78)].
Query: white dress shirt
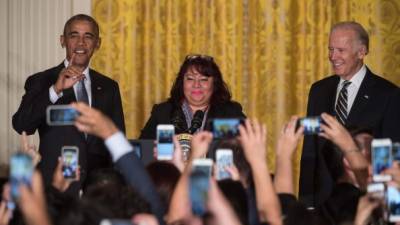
[(118, 145), (353, 88), (54, 97)]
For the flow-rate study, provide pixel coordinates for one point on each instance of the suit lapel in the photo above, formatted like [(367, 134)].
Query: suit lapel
[(97, 94), (97, 90), (362, 97), (332, 94)]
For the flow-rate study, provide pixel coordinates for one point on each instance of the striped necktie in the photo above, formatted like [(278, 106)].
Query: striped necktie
[(341, 104), (82, 95)]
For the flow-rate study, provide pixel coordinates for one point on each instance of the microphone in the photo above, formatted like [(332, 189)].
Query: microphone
[(185, 138), (196, 121)]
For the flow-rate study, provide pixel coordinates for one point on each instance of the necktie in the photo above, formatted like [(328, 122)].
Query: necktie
[(341, 104), (82, 95)]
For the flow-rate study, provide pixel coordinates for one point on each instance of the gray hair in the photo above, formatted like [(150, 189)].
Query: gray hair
[(356, 27)]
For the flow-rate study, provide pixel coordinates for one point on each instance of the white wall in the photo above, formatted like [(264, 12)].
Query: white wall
[(29, 43)]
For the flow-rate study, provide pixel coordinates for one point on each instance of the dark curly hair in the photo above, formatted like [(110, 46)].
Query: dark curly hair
[(207, 67)]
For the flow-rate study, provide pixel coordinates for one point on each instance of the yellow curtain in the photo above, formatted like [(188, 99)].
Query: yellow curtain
[(270, 51)]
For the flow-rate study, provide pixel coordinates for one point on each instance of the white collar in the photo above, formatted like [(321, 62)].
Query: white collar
[(357, 78)]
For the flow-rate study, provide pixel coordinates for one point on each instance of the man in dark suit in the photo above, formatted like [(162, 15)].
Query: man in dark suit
[(356, 97), (68, 82)]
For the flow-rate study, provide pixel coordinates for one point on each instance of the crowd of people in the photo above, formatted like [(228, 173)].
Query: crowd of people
[(111, 185)]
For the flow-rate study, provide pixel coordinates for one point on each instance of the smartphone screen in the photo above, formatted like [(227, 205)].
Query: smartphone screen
[(70, 161), (21, 170), (312, 125), (58, 115), (225, 128), (199, 184), (115, 222), (381, 158), (393, 203), (224, 158), (165, 144)]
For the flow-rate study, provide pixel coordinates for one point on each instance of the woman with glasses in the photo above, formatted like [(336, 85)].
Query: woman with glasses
[(198, 87)]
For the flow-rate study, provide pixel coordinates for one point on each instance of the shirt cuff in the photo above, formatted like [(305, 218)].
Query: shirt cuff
[(118, 145), (53, 94)]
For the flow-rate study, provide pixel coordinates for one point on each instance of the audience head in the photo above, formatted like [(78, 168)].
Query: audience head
[(102, 177), (83, 212), (165, 177), (199, 82), (363, 137), (348, 45), (121, 201)]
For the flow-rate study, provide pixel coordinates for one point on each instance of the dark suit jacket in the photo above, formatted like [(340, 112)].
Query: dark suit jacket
[(168, 113), (369, 110), (31, 116)]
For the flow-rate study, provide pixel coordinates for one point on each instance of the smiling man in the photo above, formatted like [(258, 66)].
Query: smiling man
[(356, 97), (68, 82)]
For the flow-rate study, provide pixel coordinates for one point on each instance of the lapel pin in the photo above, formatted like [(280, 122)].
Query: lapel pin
[(99, 88), (366, 96)]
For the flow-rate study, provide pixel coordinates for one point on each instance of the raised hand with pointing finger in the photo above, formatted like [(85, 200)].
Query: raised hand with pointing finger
[(68, 76)]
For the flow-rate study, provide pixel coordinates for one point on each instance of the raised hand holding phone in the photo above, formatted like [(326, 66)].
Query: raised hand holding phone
[(199, 185), (59, 181), (224, 159)]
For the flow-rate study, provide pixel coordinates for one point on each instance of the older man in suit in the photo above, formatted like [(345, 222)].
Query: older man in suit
[(68, 82), (356, 97)]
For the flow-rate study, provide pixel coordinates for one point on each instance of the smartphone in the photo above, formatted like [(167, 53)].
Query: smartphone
[(312, 125), (377, 190), (165, 144), (396, 152), (381, 159), (21, 171), (61, 115), (115, 222), (199, 183), (225, 128), (70, 161), (224, 158), (393, 203)]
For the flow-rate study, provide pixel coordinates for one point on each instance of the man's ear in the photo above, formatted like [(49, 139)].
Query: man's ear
[(362, 52), (62, 41), (98, 43)]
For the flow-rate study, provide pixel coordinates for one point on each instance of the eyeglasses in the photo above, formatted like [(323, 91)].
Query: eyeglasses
[(196, 56), (190, 79)]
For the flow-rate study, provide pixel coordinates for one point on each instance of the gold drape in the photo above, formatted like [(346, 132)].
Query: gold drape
[(269, 51)]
